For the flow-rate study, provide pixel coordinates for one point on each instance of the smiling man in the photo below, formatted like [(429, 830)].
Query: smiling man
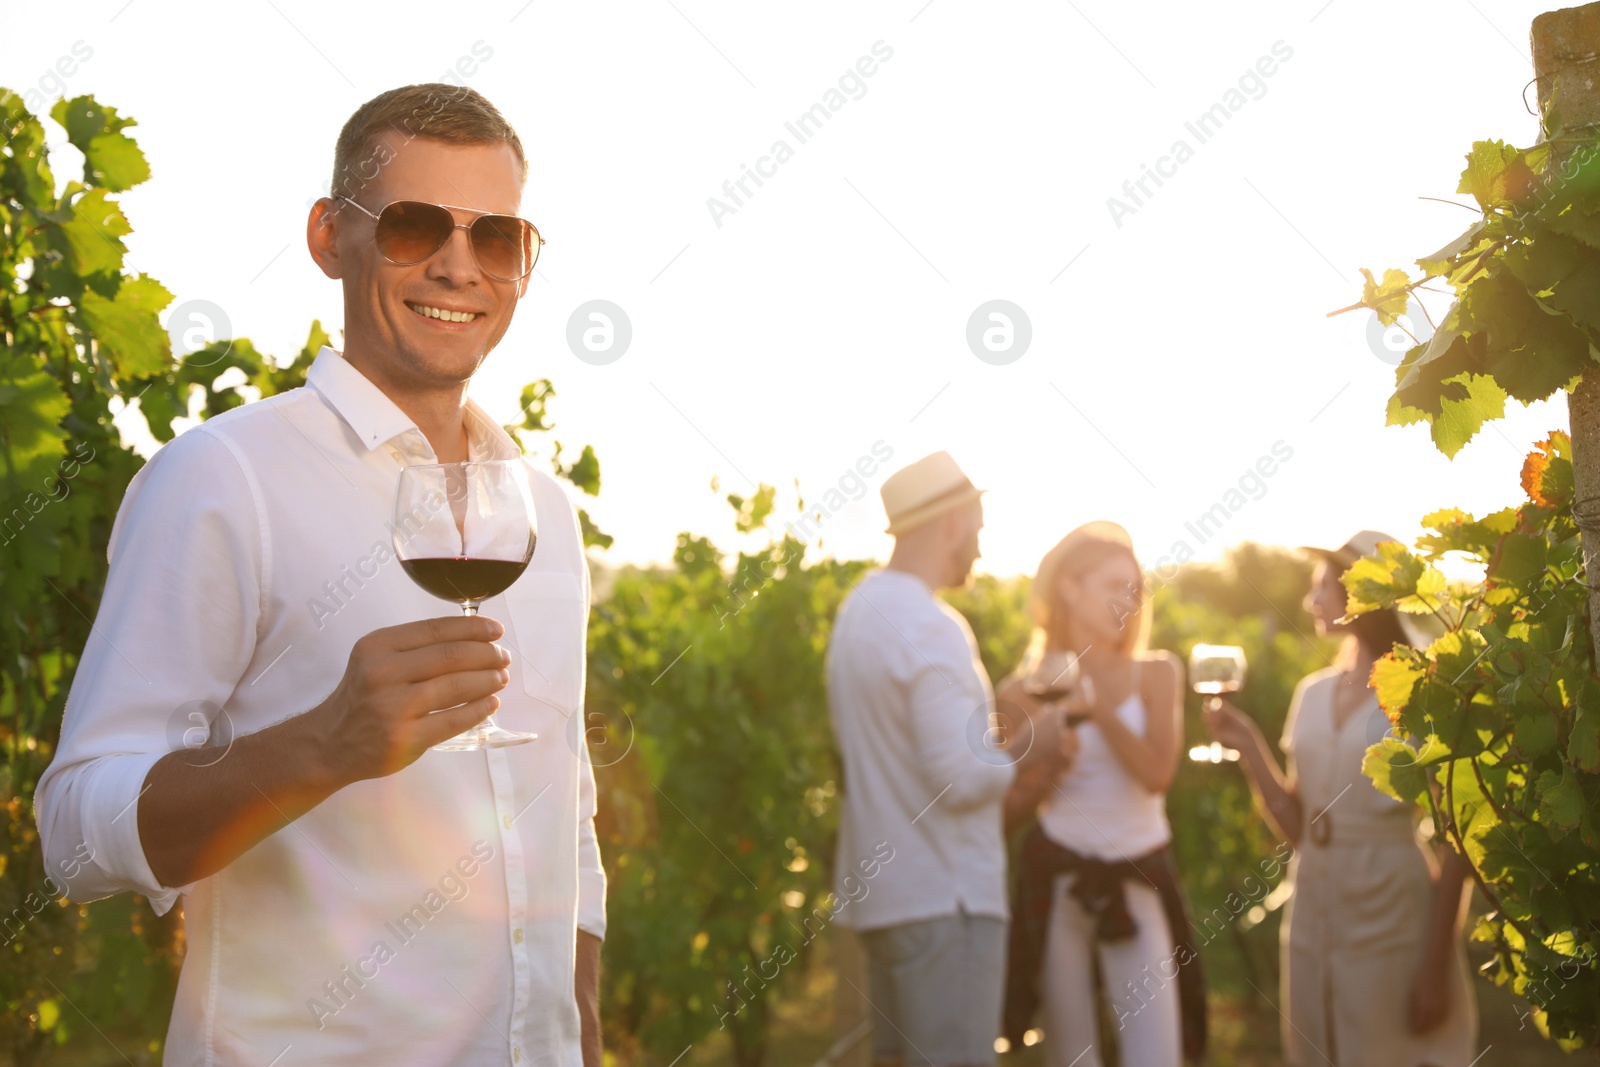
[(249, 729)]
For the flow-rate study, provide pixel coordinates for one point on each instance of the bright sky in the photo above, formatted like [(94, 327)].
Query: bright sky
[(1171, 346)]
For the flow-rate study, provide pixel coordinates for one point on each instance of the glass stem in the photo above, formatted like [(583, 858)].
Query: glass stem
[(470, 608)]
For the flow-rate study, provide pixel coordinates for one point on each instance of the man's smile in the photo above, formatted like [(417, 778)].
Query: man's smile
[(444, 314)]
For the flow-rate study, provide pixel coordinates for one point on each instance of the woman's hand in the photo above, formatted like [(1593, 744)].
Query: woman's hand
[(1276, 796), (1429, 1002), (1230, 726)]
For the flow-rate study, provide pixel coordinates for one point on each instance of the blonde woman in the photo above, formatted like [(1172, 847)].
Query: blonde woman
[(1374, 973), (1095, 884)]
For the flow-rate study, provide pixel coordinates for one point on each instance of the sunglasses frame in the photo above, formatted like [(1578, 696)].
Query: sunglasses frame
[(378, 217)]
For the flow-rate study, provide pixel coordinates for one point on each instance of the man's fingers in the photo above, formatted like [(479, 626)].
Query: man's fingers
[(450, 657), (453, 689), (410, 635), (443, 725)]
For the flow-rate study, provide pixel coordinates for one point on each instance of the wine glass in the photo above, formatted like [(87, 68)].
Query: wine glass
[(465, 532), (1215, 669), (1055, 675)]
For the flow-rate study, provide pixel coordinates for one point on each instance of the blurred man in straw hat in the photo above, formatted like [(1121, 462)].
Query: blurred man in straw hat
[(921, 865)]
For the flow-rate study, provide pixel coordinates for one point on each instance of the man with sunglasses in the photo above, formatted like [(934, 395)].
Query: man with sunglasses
[(349, 895)]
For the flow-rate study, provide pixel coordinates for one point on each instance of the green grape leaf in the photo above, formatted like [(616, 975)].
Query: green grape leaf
[(111, 159), (1477, 399), (1388, 297), (1457, 653), (29, 160), (1392, 766), (593, 536), (1428, 598), (161, 403), (128, 328), (1583, 745), (1469, 244), (1457, 531), (1561, 274), (1528, 346), (1518, 558), (115, 162), (85, 119), (1393, 679), (1566, 196), (1495, 174), (1401, 414), (1547, 472), (92, 229), (1560, 799), (1535, 733), (1420, 377), (1379, 580), (535, 401), (1434, 701), (1581, 222), (753, 512), (32, 405), (316, 340), (584, 472)]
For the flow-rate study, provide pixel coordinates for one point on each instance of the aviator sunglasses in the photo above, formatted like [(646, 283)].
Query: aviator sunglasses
[(410, 231)]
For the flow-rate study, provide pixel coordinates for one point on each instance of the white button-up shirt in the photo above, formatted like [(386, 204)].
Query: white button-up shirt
[(426, 917), (920, 828)]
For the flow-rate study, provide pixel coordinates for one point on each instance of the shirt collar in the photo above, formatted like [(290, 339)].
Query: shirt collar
[(906, 577), (376, 419)]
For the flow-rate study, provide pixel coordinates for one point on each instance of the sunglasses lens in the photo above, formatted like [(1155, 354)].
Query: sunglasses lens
[(409, 231), (502, 244)]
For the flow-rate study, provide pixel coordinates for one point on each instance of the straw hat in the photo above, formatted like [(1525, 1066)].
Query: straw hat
[(1420, 631), (1362, 544), (927, 488)]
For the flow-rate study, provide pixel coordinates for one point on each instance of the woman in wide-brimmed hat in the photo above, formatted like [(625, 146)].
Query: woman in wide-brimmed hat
[(1374, 971)]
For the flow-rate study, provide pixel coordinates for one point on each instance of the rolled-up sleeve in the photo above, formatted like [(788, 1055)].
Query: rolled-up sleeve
[(950, 706), (174, 632)]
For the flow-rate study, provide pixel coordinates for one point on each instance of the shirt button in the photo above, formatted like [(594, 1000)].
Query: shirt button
[(516, 935), (516, 1053), (507, 820)]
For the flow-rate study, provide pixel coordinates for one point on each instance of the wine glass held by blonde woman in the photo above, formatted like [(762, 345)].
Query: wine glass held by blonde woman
[(1374, 969), (1095, 883)]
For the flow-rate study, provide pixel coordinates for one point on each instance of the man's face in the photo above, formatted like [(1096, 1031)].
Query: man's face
[(385, 329)]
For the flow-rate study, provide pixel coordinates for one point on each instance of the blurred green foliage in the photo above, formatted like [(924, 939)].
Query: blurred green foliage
[(718, 778), (1505, 706), (1502, 716), (717, 781)]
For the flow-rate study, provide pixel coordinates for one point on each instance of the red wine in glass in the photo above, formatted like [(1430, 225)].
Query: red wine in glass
[(463, 579), (1054, 675)]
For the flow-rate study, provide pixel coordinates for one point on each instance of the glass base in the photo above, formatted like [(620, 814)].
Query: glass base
[(484, 735)]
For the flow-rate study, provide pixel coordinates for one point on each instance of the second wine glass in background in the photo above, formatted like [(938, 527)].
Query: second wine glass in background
[(1213, 670)]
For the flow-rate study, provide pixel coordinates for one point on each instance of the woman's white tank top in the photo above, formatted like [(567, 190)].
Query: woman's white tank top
[(1097, 808)]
